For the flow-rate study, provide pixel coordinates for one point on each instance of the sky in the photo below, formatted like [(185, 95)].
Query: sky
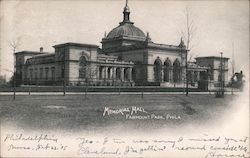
[(222, 26)]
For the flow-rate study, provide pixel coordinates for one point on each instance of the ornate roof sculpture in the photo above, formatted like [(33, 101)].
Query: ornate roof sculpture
[(182, 44)]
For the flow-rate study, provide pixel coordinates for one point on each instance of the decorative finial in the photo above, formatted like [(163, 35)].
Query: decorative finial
[(105, 34), (148, 39), (182, 44), (126, 2)]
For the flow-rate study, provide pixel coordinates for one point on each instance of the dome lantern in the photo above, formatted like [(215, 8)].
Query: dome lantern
[(126, 13), (148, 38)]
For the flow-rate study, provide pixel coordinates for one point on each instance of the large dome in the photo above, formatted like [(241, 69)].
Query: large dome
[(126, 29)]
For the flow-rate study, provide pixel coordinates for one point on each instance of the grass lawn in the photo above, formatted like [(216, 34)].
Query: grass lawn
[(75, 113)]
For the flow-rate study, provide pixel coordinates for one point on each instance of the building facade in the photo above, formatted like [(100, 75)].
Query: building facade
[(218, 68), (128, 56), (74, 64)]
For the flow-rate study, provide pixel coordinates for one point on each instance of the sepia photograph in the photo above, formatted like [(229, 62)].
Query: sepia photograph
[(124, 78)]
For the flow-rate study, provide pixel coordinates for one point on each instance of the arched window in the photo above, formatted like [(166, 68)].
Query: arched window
[(82, 67), (167, 69), (157, 70), (176, 71)]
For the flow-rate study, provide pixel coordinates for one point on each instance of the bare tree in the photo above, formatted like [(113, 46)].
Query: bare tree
[(188, 35), (190, 29), (90, 75), (14, 44)]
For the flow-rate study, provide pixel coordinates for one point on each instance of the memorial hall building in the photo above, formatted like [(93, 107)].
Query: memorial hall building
[(128, 57)]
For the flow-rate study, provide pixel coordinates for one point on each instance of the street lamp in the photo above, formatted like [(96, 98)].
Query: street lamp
[(186, 73), (220, 92)]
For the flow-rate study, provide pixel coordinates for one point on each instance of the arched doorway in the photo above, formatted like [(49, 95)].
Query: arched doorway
[(167, 70), (157, 70), (83, 67), (176, 71)]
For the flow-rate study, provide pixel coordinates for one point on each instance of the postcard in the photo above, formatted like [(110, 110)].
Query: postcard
[(124, 78)]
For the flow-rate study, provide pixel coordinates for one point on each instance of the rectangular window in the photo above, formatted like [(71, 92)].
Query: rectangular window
[(41, 73), (46, 73), (35, 73), (53, 73), (31, 73)]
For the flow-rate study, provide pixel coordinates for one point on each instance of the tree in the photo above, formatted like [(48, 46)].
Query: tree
[(188, 35), (190, 29), (14, 44), (89, 73)]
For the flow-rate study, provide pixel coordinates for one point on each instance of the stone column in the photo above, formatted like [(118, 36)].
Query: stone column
[(171, 74), (122, 74), (192, 74), (130, 74), (198, 75), (111, 73), (105, 73), (97, 73), (162, 74), (114, 73)]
